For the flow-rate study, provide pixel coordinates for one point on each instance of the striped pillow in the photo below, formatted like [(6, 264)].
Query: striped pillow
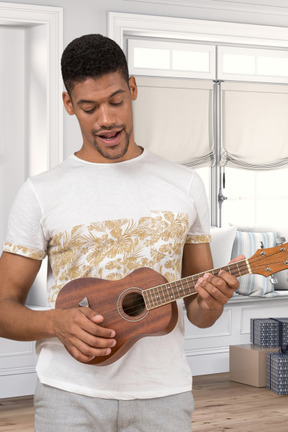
[(247, 243)]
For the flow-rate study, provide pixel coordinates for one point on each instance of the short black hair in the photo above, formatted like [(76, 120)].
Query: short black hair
[(92, 56)]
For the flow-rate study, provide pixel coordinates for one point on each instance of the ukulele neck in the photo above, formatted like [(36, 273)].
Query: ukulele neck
[(172, 291)]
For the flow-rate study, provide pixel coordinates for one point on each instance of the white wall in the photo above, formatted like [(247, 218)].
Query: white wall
[(90, 16), (12, 113)]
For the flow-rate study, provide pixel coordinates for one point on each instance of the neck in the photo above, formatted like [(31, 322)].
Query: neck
[(171, 291), (92, 155)]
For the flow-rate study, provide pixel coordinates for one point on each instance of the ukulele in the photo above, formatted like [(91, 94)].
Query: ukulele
[(144, 302)]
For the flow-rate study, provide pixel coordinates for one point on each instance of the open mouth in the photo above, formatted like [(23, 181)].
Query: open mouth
[(111, 137)]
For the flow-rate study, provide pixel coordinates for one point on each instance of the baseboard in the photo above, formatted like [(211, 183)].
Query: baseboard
[(17, 385), (210, 361)]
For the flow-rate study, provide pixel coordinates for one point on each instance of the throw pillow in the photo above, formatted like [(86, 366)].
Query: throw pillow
[(247, 243), (221, 244)]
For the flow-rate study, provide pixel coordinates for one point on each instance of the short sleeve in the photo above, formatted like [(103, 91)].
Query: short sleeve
[(199, 231), (25, 236)]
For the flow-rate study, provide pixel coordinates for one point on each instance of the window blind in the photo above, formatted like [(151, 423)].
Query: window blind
[(254, 125), (173, 118)]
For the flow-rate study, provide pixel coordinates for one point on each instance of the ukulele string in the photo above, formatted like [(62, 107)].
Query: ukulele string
[(133, 305), (235, 269)]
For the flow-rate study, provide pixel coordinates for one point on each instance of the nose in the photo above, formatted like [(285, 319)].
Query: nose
[(105, 116)]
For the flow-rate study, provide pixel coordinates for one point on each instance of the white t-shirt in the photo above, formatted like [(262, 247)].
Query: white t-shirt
[(104, 221)]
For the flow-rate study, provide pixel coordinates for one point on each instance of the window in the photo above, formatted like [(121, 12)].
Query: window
[(170, 59), (261, 65), (243, 53), (255, 153), (255, 198)]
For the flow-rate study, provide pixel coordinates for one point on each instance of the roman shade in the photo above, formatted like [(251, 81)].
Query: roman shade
[(173, 118), (254, 125)]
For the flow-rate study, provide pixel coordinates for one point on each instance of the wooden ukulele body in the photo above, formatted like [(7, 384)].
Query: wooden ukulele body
[(122, 305)]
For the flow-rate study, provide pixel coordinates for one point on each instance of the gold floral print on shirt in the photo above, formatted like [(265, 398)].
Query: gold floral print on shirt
[(24, 251), (196, 239), (112, 249)]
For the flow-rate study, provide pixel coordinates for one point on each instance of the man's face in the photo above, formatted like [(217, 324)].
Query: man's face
[(103, 107)]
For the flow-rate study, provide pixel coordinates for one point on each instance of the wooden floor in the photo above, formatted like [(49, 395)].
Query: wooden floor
[(220, 405), (17, 414)]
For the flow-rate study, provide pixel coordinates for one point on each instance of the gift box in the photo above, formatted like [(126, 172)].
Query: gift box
[(269, 332), (248, 364), (277, 372)]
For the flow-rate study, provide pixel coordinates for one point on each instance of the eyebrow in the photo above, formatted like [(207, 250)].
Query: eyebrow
[(87, 101)]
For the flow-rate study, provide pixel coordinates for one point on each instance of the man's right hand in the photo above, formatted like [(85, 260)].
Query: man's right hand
[(80, 330)]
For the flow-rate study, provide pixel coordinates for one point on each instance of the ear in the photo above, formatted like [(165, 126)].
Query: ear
[(133, 88), (68, 104)]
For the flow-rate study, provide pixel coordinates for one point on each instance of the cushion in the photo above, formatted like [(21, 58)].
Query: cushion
[(282, 276), (221, 244), (247, 243), (281, 280)]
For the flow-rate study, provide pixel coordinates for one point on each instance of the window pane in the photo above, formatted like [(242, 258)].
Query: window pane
[(239, 64), (150, 58), (272, 66), (258, 199), (190, 61)]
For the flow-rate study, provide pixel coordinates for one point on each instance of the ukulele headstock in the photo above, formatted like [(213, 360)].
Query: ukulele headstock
[(269, 260)]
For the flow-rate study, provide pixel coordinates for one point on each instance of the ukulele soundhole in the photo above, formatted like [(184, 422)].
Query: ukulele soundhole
[(131, 305)]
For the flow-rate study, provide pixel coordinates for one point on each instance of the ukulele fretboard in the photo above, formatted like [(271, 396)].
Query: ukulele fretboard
[(171, 291)]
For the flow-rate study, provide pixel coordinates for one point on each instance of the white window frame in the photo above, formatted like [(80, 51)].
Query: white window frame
[(255, 55), (170, 49), (121, 25)]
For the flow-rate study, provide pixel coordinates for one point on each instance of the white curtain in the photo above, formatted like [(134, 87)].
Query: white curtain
[(173, 118), (254, 125)]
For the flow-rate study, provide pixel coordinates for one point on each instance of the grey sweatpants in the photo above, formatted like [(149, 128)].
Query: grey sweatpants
[(60, 411)]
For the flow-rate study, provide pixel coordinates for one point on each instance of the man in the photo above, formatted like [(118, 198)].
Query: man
[(106, 211)]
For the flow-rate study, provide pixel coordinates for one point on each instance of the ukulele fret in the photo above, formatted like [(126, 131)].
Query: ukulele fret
[(182, 289), (238, 269), (169, 292), (177, 287), (147, 299), (188, 286), (160, 295), (163, 294)]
